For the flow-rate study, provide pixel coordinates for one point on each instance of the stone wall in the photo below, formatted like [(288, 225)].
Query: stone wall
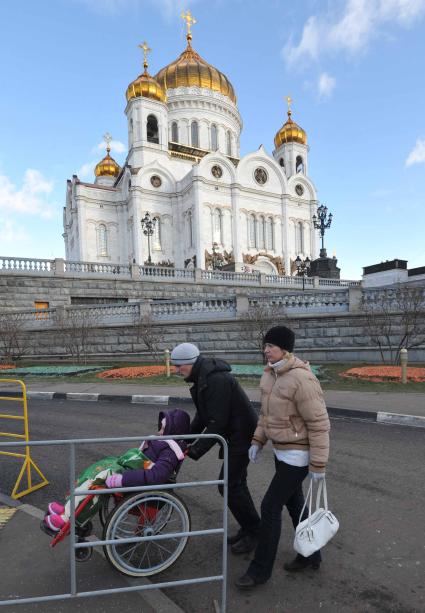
[(338, 338)]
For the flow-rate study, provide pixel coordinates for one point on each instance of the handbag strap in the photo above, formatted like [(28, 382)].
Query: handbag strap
[(308, 499), (321, 489)]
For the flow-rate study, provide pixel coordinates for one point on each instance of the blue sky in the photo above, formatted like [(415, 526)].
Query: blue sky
[(354, 69)]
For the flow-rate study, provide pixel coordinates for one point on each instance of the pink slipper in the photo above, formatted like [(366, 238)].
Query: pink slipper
[(56, 508), (54, 522)]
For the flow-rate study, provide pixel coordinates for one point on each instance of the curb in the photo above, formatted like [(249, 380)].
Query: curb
[(381, 417)]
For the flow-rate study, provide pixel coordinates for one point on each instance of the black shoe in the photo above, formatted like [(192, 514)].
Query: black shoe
[(300, 563), (246, 582), (246, 544), (235, 538), (45, 528)]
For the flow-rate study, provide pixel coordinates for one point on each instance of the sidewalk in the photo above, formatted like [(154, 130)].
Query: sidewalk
[(390, 407)]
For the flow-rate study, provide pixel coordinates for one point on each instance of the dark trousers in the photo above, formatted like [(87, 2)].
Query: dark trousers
[(284, 490), (239, 501)]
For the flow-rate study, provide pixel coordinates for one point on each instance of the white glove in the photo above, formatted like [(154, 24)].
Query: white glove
[(316, 476), (253, 453)]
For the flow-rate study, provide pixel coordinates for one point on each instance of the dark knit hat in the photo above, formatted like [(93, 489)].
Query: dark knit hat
[(282, 337)]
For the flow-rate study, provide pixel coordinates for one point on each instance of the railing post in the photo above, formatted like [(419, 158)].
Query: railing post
[(145, 310), (167, 362), (198, 275), (59, 266), (316, 282), (135, 272), (262, 278), (354, 299), (403, 362), (242, 305)]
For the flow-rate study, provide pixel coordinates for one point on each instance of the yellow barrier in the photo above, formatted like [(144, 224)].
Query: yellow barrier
[(28, 462)]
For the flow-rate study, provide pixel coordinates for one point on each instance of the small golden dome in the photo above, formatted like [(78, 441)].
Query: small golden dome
[(145, 86), (290, 132), (190, 69), (107, 167)]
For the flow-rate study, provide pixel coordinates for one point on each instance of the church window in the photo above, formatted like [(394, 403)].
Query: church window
[(190, 228), (252, 231), (269, 234), (194, 133), (214, 142), (174, 132), (156, 242), (299, 237), (262, 233), (282, 162), (228, 143), (299, 164), (102, 240), (217, 227), (152, 129)]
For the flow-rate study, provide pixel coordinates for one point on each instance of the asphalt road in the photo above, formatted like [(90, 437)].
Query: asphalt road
[(375, 563)]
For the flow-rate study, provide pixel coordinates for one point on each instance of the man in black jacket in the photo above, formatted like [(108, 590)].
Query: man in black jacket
[(222, 407)]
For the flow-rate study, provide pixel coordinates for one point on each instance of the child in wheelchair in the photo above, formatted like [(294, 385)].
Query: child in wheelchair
[(154, 463)]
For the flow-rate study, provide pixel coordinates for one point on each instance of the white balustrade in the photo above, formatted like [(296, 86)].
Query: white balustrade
[(26, 265)]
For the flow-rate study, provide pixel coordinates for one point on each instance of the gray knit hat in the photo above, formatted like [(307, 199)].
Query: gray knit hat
[(185, 353)]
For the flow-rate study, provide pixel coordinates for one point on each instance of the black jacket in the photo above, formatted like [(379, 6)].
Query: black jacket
[(222, 408)]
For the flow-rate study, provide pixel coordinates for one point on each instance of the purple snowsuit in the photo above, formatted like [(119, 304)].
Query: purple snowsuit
[(161, 453)]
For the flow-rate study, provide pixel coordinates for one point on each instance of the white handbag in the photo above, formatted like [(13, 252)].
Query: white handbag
[(314, 532)]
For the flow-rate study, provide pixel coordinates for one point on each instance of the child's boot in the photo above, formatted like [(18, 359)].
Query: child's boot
[(54, 522), (55, 508)]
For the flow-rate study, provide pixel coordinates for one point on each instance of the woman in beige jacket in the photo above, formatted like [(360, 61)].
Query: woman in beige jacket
[(294, 419)]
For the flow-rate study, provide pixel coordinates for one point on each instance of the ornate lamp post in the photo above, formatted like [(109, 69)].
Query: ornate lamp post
[(148, 227), (322, 222), (217, 260), (303, 268)]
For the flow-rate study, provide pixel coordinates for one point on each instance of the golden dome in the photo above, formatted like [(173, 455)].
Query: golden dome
[(107, 167), (290, 132), (190, 69), (145, 86)]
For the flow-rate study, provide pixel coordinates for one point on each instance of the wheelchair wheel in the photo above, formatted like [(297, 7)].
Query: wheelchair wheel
[(106, 504), (146, 514)]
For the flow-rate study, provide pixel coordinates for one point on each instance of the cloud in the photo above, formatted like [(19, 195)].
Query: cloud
[(31, 198), (325, 85), (168, 8), (115, 145), (417, 155), (351, 31), (86, 170), (11, 233)]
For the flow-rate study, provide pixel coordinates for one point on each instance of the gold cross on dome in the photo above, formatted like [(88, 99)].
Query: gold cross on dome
[(289, 102), (146, 49), (107, 138), (189, 19)]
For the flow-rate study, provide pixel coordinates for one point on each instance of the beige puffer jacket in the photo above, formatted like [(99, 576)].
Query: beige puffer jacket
[(293, 412)]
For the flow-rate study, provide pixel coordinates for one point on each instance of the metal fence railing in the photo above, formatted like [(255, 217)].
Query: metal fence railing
[(74, 545)]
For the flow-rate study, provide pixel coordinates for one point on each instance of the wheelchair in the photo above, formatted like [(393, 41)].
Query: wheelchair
[(125, 516)]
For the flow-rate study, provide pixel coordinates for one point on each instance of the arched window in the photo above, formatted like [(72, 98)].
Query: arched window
[(252, 231), (228, 143), (282, 162), (269, 234), (262, 233), (299, 164), (194, 133), (156, 238), (217, 227), (102, 240), (214, 141), (299, 237), (174, 132), (152, 132)]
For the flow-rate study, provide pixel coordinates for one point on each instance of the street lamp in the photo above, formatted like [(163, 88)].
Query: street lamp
[(148, 227), (322, 222), (216, 259), (303, 268)]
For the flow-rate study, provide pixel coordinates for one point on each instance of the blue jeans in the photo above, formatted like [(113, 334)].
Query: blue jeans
[(284, 490)]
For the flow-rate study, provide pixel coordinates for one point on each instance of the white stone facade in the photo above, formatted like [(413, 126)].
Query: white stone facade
[(258, 209)]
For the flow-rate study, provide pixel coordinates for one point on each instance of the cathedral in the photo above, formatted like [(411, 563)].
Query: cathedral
[(184, 196)]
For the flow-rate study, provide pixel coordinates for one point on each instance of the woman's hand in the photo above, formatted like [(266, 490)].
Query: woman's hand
[(253, 453)]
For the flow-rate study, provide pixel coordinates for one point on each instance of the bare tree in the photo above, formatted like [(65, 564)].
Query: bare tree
[(260, 318), (76, 327), (150, 334), (13, 340), (395, 319)]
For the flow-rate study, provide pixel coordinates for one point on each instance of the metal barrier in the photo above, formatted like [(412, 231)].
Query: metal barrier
[(28, 461), (74, 545)]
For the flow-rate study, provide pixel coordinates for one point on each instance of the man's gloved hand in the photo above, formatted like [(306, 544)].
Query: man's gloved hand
[(316, 476), (253, 453), (191, 453), (114, 480)]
